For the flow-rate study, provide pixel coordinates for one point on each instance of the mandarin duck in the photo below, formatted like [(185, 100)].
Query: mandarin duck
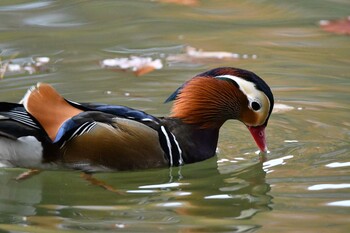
[(47, 131)]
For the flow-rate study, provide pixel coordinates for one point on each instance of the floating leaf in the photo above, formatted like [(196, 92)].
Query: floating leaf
[(340, 26), (199, 56), (29, 65), (139, 65), (182, 2)]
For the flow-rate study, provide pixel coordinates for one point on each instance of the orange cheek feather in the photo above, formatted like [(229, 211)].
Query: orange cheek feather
[(249, 117), (207, 102)]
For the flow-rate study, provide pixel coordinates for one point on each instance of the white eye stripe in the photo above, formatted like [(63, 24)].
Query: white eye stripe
[(248, 88), (253, 95)]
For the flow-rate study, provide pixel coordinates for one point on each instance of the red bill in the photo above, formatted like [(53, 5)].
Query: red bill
[(258, 133)]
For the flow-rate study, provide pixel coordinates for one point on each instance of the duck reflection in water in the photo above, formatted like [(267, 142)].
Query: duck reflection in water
[(202, 192)]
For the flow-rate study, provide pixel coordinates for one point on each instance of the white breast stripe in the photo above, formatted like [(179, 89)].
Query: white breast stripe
[(179, 149), (168, 144)]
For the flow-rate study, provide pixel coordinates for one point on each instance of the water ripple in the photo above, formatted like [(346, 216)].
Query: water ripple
[(276, 162), (53, 20), (26, 6), (162, 186), (328, 186), (344, 203), (338, 164)]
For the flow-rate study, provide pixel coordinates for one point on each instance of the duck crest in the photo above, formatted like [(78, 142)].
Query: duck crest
[(48, 107), (208, 102)]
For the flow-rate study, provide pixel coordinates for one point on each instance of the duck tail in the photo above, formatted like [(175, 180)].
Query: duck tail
[(48, 107)]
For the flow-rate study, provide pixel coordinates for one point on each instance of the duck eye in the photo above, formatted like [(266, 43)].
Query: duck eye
[(256, 106)]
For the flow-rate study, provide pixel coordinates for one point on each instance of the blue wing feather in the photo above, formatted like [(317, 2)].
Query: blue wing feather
[(67, 126), (126, 112), (116, 110), (85, 121)]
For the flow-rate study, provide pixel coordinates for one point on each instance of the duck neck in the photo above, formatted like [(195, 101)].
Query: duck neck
[(197, 143)]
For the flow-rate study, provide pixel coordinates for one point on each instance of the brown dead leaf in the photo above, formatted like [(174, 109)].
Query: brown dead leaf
[(144, 70), (339, 26), (182, 2), (139, 65)]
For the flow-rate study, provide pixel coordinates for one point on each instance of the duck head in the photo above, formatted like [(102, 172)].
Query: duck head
[(212, 97)]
